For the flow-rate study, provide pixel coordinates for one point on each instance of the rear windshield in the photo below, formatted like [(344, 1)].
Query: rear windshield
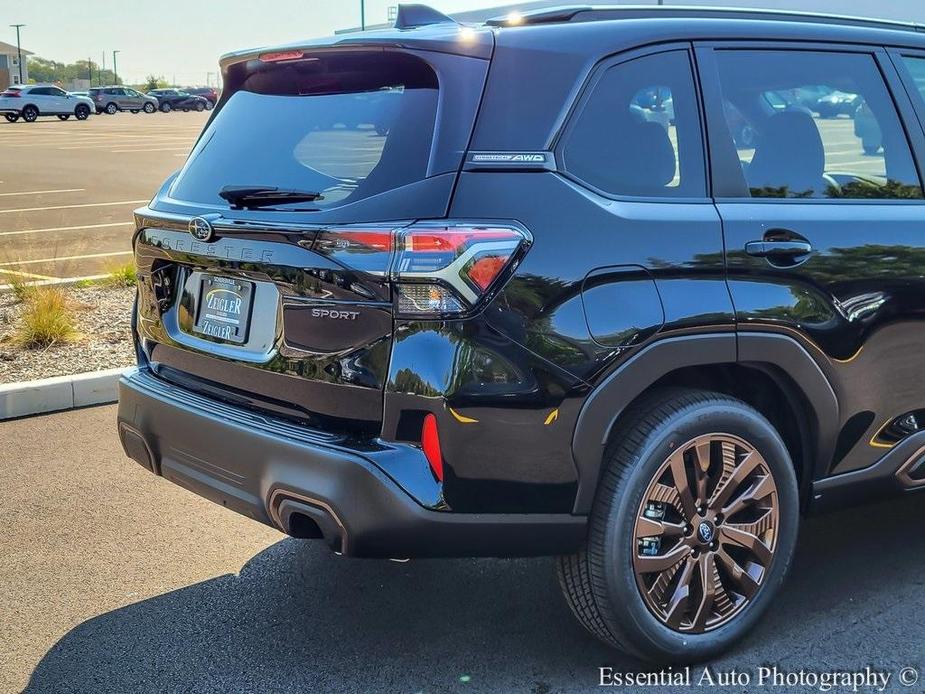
[(346, 126)]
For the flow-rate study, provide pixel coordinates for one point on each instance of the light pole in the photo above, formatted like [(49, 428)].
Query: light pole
[(115, 70), (18, 49), (362, 15)]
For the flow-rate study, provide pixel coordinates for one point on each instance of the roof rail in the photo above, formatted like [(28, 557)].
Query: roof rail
[(411, 16), (585, 13)]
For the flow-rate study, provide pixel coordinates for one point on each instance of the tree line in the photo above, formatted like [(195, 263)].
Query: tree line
[(42, 70)]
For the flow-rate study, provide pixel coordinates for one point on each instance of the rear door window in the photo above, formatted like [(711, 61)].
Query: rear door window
[(638, 131), (810, 124), (346, 126)]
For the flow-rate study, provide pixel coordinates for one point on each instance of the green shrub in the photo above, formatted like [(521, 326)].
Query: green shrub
[(122, 276)]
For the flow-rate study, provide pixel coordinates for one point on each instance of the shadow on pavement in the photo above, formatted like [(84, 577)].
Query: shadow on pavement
[(299, 618)]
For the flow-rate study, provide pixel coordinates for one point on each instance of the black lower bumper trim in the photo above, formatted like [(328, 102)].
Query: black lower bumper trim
[(254, 468)]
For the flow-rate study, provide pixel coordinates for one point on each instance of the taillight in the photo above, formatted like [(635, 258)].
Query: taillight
[(11, 93), (436, 269), (447, 269)]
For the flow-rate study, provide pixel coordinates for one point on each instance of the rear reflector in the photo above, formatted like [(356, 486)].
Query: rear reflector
[(430, 442)]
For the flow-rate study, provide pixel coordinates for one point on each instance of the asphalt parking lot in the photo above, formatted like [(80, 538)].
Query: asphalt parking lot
[(67, 189), (113, 580)]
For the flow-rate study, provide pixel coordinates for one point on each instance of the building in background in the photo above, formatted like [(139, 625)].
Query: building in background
[(9, 65)]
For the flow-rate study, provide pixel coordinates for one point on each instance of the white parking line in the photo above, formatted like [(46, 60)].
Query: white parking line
[(49, 281), (155, 149), (54, 229), (43, 192), (70, 207), (25, 274), (61, 258)]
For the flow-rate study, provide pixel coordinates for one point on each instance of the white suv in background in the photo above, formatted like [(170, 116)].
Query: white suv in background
[(29, 101)]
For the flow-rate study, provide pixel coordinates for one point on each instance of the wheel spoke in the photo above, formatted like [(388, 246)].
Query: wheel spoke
[(702, 469), (679, 474), (756, 493), (705, 608), (745, 468), (647, 527), (750, 542), (743, 582), (649, 565), (681, 596)]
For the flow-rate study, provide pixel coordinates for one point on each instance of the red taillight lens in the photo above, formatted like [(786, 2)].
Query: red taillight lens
[(430, 442), (11, 92), (447, 269), (365, 249), (484, 270)]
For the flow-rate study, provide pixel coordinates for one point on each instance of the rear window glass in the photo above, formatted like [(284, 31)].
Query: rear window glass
[(346, 126)]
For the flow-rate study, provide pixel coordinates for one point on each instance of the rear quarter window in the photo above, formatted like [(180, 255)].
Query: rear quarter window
[(637, 132)]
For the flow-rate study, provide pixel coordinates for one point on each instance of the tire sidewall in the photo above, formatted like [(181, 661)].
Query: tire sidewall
[(30, 114), (82, 112), (647, 632)]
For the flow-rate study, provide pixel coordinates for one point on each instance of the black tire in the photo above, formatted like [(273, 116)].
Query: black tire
[(12, 117), (30, 113), (200, 106), (208, 105), (111, 108), (186, 109), (82, 112), (135, 111), (165, 107), (599, 582), (149, 107), (64, 116)]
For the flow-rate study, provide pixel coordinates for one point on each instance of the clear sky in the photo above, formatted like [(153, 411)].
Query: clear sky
[(181, 38)]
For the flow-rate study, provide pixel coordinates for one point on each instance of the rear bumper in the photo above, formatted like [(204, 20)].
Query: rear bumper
[(280, 474)]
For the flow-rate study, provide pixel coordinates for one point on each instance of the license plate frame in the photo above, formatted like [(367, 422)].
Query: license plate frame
[(223, 309)]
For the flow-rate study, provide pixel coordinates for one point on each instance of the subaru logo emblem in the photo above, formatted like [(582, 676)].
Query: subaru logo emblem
[(200, 228), (705, 531)]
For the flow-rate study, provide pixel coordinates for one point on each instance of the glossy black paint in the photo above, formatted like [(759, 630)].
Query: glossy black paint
[(527, 391)]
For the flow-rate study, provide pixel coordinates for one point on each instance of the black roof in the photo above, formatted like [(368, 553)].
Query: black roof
[(586, 13)]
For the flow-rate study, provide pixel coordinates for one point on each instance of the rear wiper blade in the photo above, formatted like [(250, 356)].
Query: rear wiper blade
[(243, 197)]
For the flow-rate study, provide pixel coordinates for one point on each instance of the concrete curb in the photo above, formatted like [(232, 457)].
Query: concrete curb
[(59, 393)]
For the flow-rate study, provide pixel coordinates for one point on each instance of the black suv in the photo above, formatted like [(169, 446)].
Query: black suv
[(538, 300)]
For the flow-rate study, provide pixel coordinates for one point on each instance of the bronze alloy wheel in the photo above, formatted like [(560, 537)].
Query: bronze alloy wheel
[(705, 533)]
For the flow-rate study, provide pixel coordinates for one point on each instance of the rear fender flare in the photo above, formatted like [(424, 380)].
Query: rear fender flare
[(609, 400)]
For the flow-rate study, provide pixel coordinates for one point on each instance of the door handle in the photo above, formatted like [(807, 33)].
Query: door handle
[(782, 249)]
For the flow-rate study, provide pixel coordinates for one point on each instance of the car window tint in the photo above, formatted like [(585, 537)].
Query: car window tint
[(638, 133), (809, 124), (916, 67)]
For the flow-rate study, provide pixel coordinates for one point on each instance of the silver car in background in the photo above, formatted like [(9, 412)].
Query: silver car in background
[(29, 101), (117, 98)]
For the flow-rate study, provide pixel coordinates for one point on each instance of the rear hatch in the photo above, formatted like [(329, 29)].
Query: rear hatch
[(264, 264)]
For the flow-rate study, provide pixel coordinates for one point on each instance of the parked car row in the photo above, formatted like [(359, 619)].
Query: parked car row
[(33, 100)]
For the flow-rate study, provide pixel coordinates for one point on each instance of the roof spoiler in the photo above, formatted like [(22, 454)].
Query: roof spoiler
[(411, 16)]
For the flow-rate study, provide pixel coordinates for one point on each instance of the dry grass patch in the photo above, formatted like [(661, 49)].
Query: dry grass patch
[(47, 319)]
